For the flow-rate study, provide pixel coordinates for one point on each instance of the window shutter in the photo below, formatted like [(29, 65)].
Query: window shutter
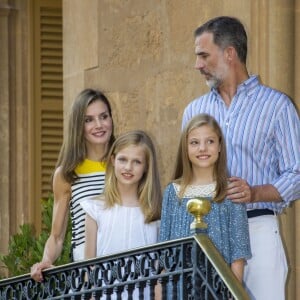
[(48, 91)]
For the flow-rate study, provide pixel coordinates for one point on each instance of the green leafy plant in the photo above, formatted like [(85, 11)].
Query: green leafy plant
[(25, 248)]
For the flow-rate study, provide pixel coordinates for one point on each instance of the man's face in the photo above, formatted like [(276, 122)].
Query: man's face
[(210, 60)]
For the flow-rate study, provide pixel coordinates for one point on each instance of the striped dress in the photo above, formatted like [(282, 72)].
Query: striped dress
[(90, 182)]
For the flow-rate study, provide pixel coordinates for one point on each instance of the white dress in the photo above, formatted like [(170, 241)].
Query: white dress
[(120, 228), (125, 223)]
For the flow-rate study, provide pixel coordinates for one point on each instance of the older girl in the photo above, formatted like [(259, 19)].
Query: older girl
[(128, 214)]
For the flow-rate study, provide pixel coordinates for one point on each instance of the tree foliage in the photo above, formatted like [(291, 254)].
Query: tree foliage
[(26, 248)]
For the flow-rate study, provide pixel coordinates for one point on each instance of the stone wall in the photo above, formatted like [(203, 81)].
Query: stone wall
[(141, 54)]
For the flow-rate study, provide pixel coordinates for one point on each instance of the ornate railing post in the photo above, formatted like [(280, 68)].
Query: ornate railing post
[(198, 207), (212, 276)]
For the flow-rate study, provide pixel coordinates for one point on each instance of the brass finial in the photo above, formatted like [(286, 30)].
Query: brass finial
[(198, 207)]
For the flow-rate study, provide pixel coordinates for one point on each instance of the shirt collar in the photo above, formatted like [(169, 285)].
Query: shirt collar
[(248, 86)]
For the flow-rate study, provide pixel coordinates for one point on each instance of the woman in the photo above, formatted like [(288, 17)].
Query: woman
[(79, 173)]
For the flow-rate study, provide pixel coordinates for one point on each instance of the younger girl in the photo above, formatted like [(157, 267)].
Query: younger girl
[(127, 216), (201, 172)]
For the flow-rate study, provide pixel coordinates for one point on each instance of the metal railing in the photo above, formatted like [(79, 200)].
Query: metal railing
[(187, 268)]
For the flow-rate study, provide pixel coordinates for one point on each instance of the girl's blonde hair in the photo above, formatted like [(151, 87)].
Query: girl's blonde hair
[(183, 168), (149, 188)]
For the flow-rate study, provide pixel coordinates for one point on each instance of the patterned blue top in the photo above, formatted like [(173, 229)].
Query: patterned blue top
[(227, 224), (262, 132)]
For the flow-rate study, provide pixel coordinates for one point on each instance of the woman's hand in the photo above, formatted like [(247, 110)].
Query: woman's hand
[(36, 270)]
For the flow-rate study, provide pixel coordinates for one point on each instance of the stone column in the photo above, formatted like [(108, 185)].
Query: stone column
[(296, 64), (5, 11), (281, 76), (272, 36)]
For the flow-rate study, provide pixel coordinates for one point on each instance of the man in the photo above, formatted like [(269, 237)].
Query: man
[(262, 133)]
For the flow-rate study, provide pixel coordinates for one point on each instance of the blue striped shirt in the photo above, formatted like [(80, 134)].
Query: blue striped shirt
[(262, 132)]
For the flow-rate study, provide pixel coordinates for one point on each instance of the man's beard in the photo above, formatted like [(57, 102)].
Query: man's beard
[(213, 82)]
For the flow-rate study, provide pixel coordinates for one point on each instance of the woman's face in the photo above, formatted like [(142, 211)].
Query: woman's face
[(98, 124)]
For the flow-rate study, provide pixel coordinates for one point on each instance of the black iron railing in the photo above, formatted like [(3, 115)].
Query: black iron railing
[(188, 268), (178, 269)]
